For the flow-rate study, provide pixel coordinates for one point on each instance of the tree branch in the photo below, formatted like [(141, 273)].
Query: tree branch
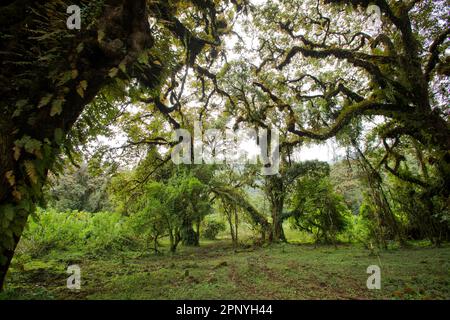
[(434, 58)]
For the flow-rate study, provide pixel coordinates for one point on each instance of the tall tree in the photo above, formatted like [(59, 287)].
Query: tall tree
[(50, 74), (321, 68), (391, 70)]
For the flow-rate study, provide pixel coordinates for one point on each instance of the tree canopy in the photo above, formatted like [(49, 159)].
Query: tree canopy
[(314, 70)]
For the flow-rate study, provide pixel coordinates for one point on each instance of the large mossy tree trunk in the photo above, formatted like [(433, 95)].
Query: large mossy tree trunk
[(277, 221), (275, 191), (42, 99)]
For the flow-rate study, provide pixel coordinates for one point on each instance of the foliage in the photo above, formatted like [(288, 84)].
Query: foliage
[(313, 70), (211, 228), (74, 230), (367, 227), (78, 189), (425, 217), (171, 207), (319, 210), (50, 75), (347, 182), (152, 217)]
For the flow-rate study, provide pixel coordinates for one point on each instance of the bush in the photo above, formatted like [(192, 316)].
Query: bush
[(319, 210), (212, 228), (83, 231), (358, 230)]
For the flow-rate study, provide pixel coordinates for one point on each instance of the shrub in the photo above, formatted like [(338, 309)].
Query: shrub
[(212, 228), (83, 231), (319, 210)]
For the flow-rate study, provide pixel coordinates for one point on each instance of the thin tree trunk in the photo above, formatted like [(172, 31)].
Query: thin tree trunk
[(236, 224)]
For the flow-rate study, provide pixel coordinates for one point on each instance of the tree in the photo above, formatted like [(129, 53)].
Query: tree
[(279, 187), (151, 216), (318, 209), (398, 71), (229, 188), (170, 207), (319, 69), (346, 181), (231, 212), (390, 71), (78, 189), (212, 228), (383, 217), (50, 74), (188, 198)]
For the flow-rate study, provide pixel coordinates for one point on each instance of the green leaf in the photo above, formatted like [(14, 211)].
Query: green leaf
[(143, 58), (17, 113), (17, 150), (31, 145), (80, 47), (66, 77), (74, 73), (113, 72), (101, 35), (123, 67), (25, 205), (10, 177), (7, 212), (84, 84), (81, 88), (56, 107), (59, 135), (80, 91), (21, 103), (45, 101), (31, 171)]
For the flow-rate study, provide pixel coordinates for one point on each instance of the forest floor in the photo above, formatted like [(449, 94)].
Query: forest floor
[(215, 271)]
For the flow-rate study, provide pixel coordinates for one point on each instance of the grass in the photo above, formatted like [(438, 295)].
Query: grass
[(215, 271)]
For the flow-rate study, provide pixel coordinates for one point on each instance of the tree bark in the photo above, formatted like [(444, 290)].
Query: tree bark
[(277, 222), (275, 191)]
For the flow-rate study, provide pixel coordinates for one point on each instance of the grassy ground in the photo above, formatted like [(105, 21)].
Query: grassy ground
[(215, 271)]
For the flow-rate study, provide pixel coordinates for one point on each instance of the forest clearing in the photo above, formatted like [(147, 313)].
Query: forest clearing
[(224, 150), (296, 270), (214, 271)]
